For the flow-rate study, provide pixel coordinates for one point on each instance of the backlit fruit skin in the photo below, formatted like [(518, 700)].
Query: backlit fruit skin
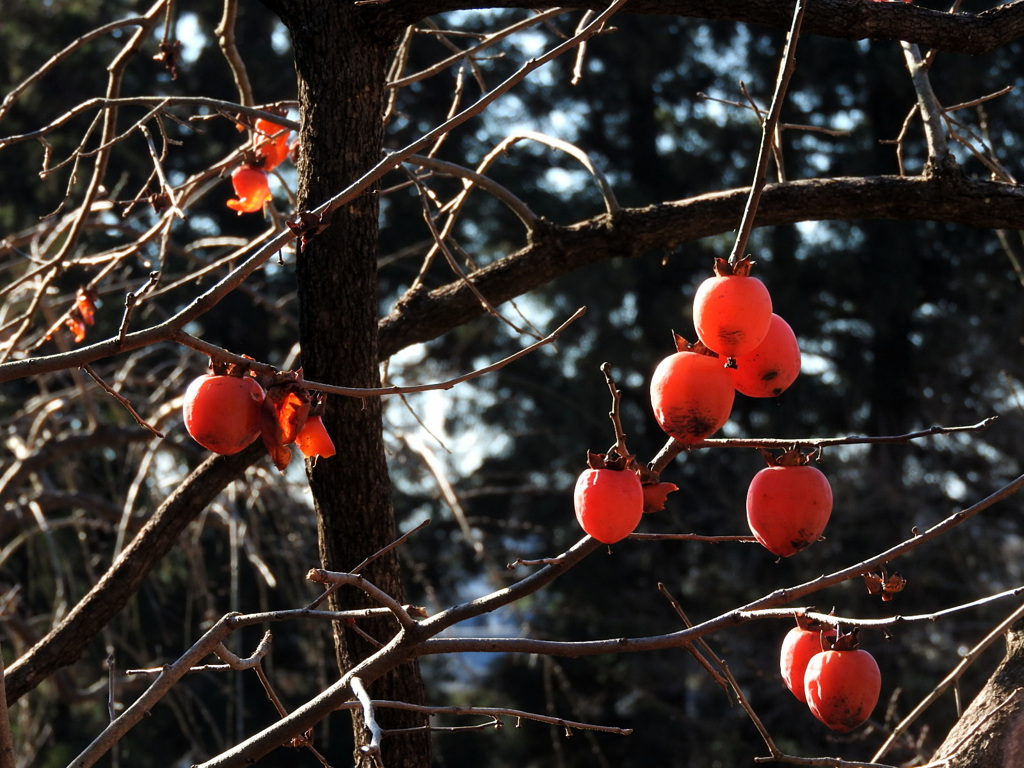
[(842, 688), (798, 647), (692, 395), (772, 367), (271, 143), (788, 507), (609, 503), (731, 314), (313, 439), (222, 413), (252, 187)]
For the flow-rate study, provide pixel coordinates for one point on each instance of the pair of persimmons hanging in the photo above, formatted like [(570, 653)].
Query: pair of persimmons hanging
[(252, 185)]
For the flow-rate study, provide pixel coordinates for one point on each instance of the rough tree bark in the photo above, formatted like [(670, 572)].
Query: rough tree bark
[(341, 62), (990, 734)]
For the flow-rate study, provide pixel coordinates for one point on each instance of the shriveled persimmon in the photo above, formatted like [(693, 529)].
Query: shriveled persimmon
[(609, 503), (222, 413), (313, 440), (251, 187), (732, 310), (798, 646), (692, 394), (788, 504), (772, 366), (271, 143), (842, 685)]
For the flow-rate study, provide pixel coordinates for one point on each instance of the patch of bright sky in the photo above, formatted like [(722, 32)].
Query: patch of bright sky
[(193, 38), (280, 40)]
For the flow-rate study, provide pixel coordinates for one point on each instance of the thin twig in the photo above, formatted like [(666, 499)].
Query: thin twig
[(673, 447), (121, 399), (939, 156), (369, 718), (491, 712), (225, 33), (768, 135), (948, 680)]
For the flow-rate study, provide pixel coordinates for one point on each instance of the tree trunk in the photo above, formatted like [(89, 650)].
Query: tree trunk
[(341, 64), (991, 732)]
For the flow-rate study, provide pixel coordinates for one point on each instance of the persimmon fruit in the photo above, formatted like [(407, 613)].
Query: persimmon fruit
[(798, 646), (271, 142), (313, 439), (222, 413), (842, 687), (609, 503), (788, 506), (732, 310), (769, 370), (252, 188), (692, 395)]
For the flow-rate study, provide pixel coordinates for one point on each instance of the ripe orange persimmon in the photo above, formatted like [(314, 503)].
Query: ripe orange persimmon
[(788, 505), (692, 395), (842, 686), (313, 439), (772, 367), (271, 141), (609, 503), (252, 187), (732, 310), (798, 646), (222, 413)]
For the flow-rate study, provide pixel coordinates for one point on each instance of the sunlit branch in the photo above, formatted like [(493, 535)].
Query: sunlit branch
[(939, 157), (972, 656), (477, 179), (768, 133), (214, 351), (369, 718), (121, 399), (486, 42), (335, 579), (757, 609), (494, 713), (673, 447), (225, 32)]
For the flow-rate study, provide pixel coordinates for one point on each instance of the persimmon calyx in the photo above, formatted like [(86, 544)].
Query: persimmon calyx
[(791, 457), (697, 347), (607, 461), (739, 268)]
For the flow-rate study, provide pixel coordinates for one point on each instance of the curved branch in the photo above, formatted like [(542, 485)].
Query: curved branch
[(753, 610), (973, 33), (557, 251)]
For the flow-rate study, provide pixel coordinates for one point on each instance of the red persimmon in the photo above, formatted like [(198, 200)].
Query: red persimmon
[(692, 395), (842, 687), (788, 506), (271, 142), (732, 310), (252, 187), (772, 367), (222, 413), (609, 503), (313, 439), (798, 646)]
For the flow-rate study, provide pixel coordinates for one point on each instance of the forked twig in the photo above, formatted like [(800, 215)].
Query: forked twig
[(769, 126)]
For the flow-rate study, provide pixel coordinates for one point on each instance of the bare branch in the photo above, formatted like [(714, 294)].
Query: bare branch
[(768, 135)]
